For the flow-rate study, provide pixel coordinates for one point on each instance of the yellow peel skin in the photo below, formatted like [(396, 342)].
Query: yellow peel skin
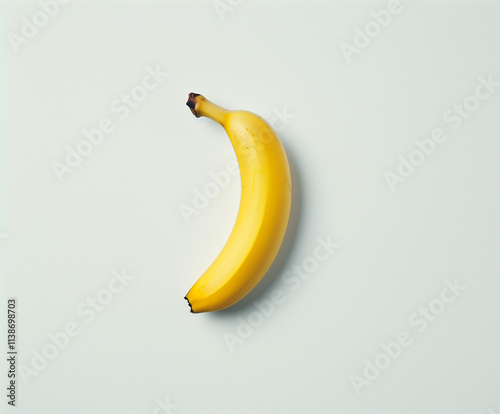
[(260, 225)]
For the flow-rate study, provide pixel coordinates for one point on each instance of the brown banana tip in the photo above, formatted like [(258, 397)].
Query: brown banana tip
[(191, 102), (190, 307)]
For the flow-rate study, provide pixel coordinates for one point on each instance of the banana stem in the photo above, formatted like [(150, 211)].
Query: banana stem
[(201, 106)]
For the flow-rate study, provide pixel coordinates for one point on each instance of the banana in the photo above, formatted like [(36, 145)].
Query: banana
[(263, 213)]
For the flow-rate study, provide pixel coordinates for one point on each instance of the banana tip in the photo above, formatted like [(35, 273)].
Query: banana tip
[(191, 102), (189, 303)]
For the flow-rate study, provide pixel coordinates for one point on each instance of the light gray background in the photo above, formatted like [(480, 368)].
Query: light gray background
[(120, 208)]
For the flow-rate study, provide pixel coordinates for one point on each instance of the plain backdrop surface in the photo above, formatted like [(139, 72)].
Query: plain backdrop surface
[(386, 291)]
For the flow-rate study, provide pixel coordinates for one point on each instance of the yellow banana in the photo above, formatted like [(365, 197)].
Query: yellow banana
[(263, 213)]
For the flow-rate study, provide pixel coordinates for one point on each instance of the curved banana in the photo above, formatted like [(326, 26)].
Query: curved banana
[(263, 213)]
